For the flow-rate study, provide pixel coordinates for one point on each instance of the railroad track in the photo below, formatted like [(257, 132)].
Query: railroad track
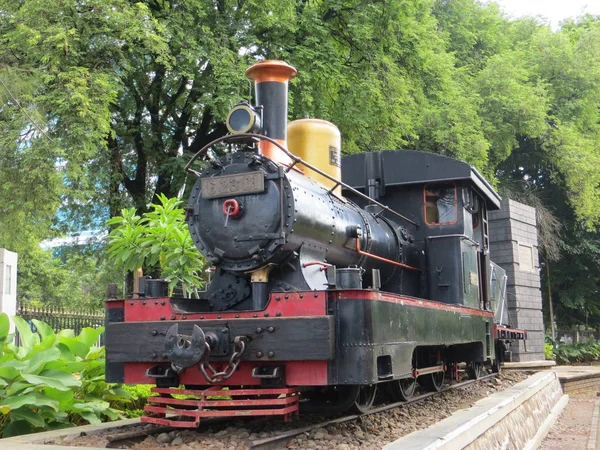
[(280, 440)]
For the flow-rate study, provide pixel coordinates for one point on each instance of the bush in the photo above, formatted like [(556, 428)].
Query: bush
[(549, 351), (53, 380), (578, 353), (139, 393)]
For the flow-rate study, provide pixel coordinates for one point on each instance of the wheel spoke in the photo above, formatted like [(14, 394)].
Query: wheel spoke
[(475, 370), (365, 398), (433, 382), (401, 390)]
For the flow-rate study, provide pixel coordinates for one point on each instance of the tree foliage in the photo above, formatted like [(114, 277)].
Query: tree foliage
[(76, 277), (103, 101)]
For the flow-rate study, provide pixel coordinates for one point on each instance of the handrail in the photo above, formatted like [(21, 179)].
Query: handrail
[(296, 160), (389, 261)]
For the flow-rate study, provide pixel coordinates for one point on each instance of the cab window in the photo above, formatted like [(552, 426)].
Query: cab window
[(441, 206)]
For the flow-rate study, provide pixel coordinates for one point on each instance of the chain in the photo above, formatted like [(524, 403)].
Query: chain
[(239, 346)]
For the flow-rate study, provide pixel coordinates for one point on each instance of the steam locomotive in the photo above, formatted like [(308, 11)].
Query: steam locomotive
[(329, 286)]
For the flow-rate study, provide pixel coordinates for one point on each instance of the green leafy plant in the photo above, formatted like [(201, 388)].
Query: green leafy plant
[(52, 380), (578, 353), (139, 393), (549, 351), (157, 240)]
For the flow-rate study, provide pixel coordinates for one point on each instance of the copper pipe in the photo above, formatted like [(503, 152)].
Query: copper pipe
[(428, 370), (379, 258), (317, 263)]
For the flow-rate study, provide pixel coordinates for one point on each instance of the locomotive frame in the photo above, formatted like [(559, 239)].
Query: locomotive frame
[(318, 296)]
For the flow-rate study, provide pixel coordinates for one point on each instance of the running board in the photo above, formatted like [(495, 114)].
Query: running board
[(428, 370), (217, 402), (510, 333)]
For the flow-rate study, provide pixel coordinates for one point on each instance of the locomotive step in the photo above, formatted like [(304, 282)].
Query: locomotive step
[(217, 402)]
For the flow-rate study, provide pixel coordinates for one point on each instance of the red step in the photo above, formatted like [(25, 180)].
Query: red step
[(216, 401)]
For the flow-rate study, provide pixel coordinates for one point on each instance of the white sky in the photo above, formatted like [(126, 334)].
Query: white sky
[(553, 10)]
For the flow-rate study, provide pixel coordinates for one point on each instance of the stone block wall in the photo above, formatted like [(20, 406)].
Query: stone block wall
[(580, 384), (511, 419), (514, 247)]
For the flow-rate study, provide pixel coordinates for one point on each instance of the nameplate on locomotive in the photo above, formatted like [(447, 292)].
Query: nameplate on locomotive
[(227, 185)]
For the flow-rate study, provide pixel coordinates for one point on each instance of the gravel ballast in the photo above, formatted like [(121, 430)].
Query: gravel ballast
[(367, 432)]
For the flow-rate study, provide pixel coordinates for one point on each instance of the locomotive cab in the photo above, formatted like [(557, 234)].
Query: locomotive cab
[(450, 201), (455, 252)]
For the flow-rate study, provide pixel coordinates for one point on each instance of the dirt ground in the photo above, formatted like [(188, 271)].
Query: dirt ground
[(572, 429)]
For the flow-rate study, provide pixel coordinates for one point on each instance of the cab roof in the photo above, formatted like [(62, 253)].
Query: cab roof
[(409, 167)]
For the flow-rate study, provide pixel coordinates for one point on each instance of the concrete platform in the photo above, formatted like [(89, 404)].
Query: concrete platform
[(36, 441), (518, 417), (572, 378), (578, 378), (529, 365)]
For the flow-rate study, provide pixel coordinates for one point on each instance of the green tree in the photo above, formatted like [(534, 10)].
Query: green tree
[(105, 100), (560, 165), (128, 88), (72, 277)]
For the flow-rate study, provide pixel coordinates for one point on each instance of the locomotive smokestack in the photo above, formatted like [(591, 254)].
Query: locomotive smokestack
[(271, 79)]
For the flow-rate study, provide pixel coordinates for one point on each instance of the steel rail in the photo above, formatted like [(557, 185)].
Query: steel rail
[(279, 441), (115, 440)]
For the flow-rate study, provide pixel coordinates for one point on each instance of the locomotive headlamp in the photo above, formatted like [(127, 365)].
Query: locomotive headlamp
[(243, 118)]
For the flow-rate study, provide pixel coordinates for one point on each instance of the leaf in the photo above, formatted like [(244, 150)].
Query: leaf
[(8, 373), (96, 353), (90, 411), (33, 399), (27, 415), (60, 424), (53, 378), (47, 342), (76, 346), (43, 328), (65, 353), (17, 428), (4, 326), (17, 387), (90, 417), (66, 333), (64, 398), (112, 414), (70, 366), (39, 359), (89, 336), (28, 338)]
